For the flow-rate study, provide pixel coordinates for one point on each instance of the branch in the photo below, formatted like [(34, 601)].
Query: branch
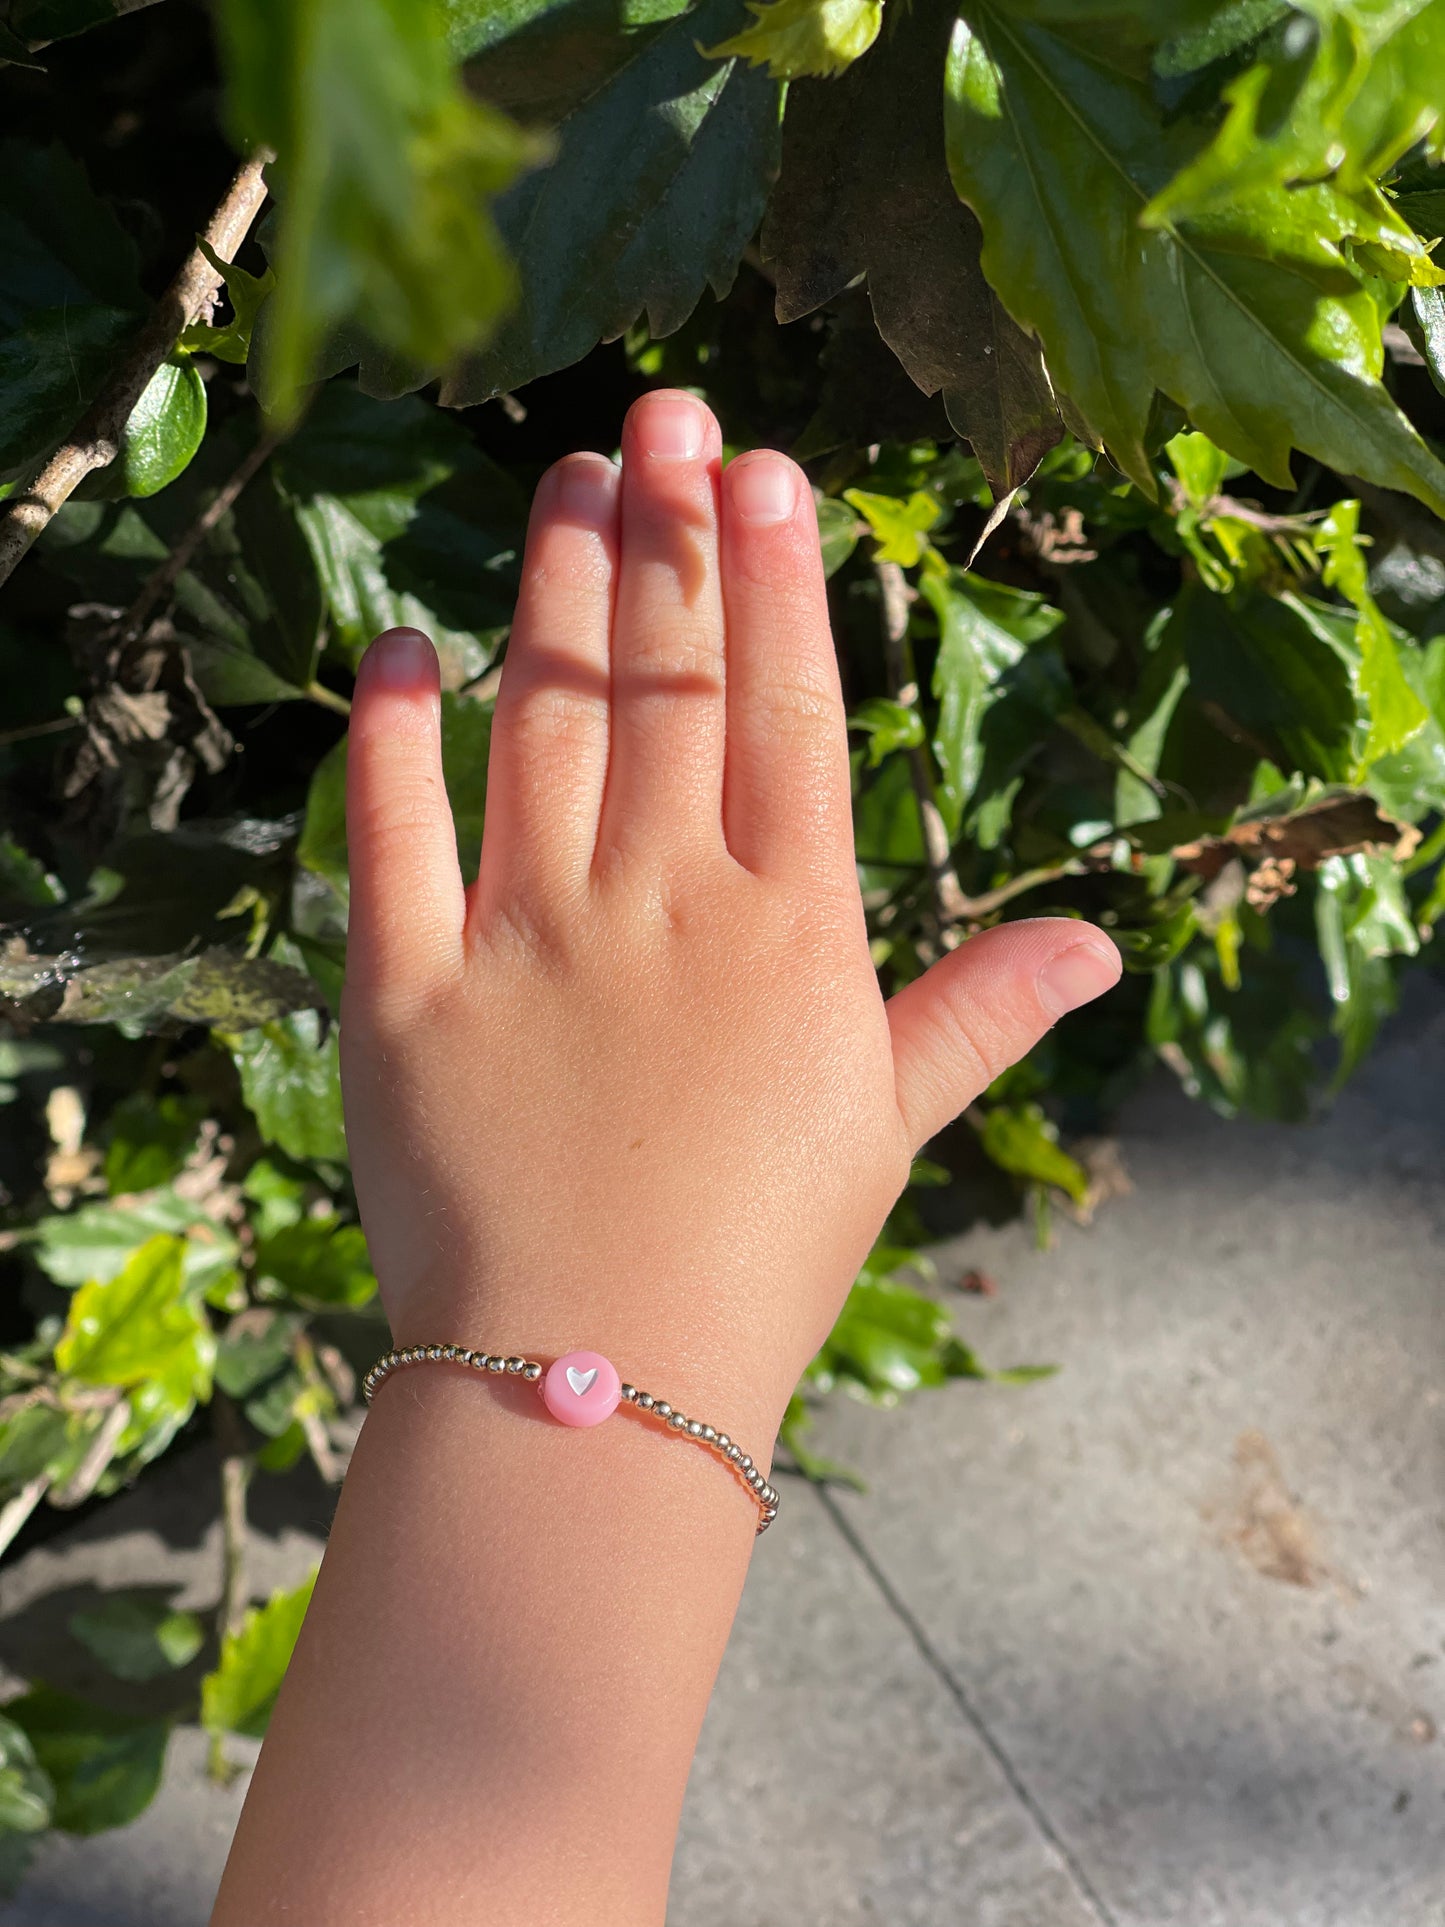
[(164, 578), (949, 903), (96, 440)]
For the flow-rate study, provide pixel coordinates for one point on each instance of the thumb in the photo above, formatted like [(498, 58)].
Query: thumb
[(984, 1006)]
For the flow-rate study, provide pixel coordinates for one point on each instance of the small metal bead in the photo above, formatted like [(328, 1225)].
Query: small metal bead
[(496, 1364), (629, 1394), (735, 1453), (514, 1365), (694, 1428), (709, 1436), (723, 1441), (662, 1408), (677, 1422), (646, 1401), (746, 1463), (532, 1372), (450, 1352), (434, 1351)]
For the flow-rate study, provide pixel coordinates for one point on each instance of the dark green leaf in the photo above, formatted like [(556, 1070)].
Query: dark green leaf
[(1270, 673), (69, 297), (408, 525), (864, 189), (996, 679), (254, 1348), (138, 1635), (657, 187), (105, 1766), (150, 1140), (385, 172)]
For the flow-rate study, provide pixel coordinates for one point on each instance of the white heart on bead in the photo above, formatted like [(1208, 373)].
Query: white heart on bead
[(580, 1381)]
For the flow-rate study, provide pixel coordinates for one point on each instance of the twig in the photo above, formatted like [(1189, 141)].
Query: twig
[(236, 1468), (9, 736), (949, 903), (98, 1455), (163, 579), (96, 440), (119, 7), (18, 1509)]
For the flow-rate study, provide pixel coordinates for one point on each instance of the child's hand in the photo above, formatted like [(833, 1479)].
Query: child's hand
[(637, 1090)]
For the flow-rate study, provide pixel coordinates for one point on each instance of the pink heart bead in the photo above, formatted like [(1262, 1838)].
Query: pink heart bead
[(582, 1388)]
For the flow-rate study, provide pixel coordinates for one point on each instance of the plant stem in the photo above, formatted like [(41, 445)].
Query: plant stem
[(949, 902), (18, 1509), (317, 692), (9, 736), (96, 440), (237, 1465)]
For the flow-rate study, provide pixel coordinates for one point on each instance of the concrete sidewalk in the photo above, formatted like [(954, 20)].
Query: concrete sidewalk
[(1159, 1642)]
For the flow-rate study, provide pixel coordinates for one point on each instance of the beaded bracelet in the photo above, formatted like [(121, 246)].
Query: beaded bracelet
[(583, 1388)]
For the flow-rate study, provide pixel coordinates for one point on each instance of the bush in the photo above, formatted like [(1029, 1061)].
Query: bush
[(1111, 337)]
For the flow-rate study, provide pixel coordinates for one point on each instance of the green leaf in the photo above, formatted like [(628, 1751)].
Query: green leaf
[(1271, 673), (231, 342), (1250, 317), (142, 1324), (864, 189), (838, 528), (1020, 1139), (386, 168), (105, 1767), (889, 726), (27, 1798), (97, 1241), (657, 187), (408, 524), (1340, 99), (1394, 710), (318, 1262), (150, 1140), (138, 1635), (164, 431), (792, 38), (996, 687), (900, 528), (255, 1348), (70, 298), (291, 1081), (239, 1695)]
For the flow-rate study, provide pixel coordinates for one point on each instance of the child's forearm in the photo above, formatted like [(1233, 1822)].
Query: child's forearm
[(494, 1703)]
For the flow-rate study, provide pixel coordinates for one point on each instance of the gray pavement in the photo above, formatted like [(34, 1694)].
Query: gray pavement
[(1159, 1642)]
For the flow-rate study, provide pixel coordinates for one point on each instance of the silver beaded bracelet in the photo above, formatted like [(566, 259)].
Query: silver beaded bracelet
[(583, 1388)]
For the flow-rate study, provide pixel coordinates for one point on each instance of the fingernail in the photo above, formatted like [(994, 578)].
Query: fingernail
[(402, 658), (762, 489), (587, 490), (670, 427), (1077, 975)]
